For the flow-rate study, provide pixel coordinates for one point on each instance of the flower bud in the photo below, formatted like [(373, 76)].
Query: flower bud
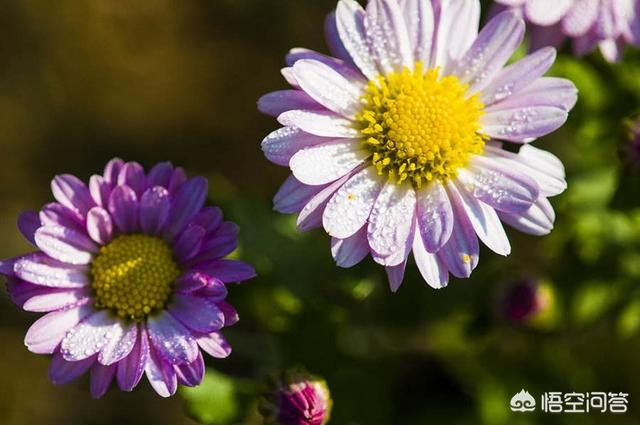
[(297, 398)]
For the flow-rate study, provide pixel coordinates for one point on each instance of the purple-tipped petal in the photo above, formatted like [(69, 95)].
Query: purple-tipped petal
[(546, 91), (215, 345), (43, 270), (55, 214), (230, 314), (160, 174), (209, 218), (220, 244), (537, 221), (65, 244), (228, 270), (461, 253), (522, 124), (20, 291), (395, 274), (123, 206), (280, 145), (52, 300), (350, 251), (186, 203), (485, 222), (154, 209), (72, 193), (172, 340), (495, 44), (504, 187), (335, 44), (89, 336), (132, 175), (112, 170), (120, 344), (347, 70), (131, 368), (519, 75), (192, 281), (46, 333), (160, 374), (177, 180), (191, 374), (28, 223), (101, 378), (99, 225), (311, 214), (62, 372), (434, 215), (197, 313), (100, 190), (188, 243), (294, 195), (275, 103)]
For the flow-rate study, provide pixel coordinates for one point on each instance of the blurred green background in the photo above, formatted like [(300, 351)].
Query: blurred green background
[(81, 82)]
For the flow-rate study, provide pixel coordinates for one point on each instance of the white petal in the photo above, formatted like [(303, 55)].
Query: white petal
[(457, 28), (580, 17), (391, 219), (418, 16), (311, 215), (547, 12), (350, 22), (88, 338), (327, 87), (349, 209), (327, 162), (387, 36), (325, 124)]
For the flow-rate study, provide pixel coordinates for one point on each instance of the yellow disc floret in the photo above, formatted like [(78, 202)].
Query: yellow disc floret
[(133, 276), (420, 127)]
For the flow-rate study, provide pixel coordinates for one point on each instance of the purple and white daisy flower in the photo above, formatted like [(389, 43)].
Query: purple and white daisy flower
[(607, 24), (131, 273), (389, 141)]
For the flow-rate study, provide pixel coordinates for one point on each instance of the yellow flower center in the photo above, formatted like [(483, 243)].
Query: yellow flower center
[(420, 127), (133, 276)]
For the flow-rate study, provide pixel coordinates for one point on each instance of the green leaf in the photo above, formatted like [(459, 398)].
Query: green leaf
[(215, 401)]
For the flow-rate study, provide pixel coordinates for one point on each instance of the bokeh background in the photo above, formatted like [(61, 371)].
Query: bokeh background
[(82, 82)]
